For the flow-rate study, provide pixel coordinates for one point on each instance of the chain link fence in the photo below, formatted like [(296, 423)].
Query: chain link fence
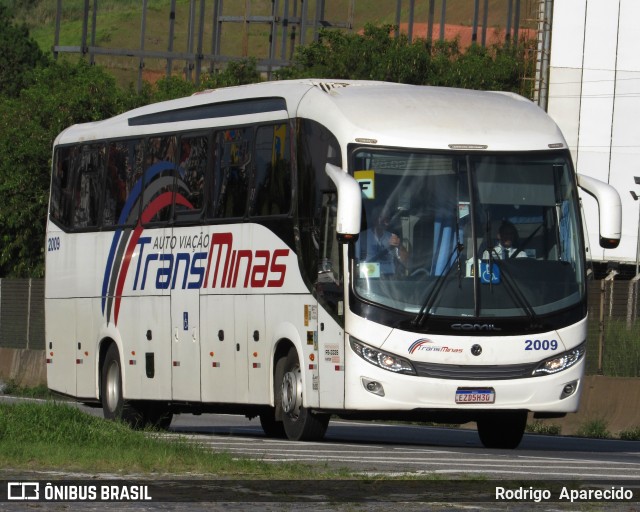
[(22, 313), (613, 343)]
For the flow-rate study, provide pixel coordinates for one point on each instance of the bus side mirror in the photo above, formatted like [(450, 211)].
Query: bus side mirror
[(610, 209), (349, 203)]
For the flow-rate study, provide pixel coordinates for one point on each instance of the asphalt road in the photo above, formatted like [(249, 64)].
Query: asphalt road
[(374, 449), (410, 450), (456, 460)]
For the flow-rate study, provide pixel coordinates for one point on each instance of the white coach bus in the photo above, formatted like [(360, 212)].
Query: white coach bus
[(292, 250)]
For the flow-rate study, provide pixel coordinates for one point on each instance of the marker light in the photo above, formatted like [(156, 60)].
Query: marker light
[(468, 146), (560, 362), (381, 359)]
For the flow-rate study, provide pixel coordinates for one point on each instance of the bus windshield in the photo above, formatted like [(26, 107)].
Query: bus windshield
[(477, 234)]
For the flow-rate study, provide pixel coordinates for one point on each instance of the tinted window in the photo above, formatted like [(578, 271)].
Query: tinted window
[(89, 168), (232, 172), (192, 168), (76, 184), (124, 170), (159, 176), (62, 186), (271, 192), (317, 146)]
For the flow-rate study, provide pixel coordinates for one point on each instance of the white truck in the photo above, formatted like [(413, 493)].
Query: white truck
[(594, 96)]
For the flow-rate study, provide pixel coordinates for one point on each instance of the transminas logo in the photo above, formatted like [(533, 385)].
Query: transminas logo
[(426, 345), (418, 344)]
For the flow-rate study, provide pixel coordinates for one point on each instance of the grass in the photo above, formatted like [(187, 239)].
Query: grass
[(55, 435), (11, 387), (542, 428), (595, 429), (630, 435)]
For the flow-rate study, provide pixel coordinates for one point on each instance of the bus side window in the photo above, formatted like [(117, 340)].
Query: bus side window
[(192, 168), (231, 176), (124, 170), (271, 187), (89, 170), (159, 176), (62, 186)]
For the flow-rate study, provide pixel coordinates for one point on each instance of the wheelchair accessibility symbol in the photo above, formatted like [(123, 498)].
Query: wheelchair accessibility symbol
[(489, 273)]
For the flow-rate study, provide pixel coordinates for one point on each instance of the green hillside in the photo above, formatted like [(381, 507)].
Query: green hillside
[(119, 24)]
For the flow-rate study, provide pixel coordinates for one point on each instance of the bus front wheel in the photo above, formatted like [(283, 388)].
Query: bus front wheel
[(271, 427), (502, 429), (300, 424), (114, 406)]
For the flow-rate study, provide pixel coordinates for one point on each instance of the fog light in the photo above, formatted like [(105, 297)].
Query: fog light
[(569, 389), (373, 386)]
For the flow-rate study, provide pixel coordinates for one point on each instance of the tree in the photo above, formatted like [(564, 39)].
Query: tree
[(240, 72), (56, 97), (59, 95), (377, 55), (18, 55)]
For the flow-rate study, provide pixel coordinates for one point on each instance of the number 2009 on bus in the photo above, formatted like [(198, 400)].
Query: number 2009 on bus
[(541, 344)]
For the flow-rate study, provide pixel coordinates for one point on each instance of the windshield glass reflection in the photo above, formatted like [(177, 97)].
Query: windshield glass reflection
[(468, 235)]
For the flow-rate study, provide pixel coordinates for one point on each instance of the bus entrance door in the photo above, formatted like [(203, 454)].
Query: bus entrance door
[(185, 344), (331, 360)]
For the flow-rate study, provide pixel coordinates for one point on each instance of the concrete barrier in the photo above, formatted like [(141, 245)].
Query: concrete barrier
[(614, 400), (25, 367)]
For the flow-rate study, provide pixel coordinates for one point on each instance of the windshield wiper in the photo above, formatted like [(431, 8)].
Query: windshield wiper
[(514, 291), (437, 286)]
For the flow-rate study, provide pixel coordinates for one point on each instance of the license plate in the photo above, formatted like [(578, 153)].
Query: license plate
[(475, 396)]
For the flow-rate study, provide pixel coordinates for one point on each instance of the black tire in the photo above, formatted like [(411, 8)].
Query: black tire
[(272, 427), (114, 406), (300, 424), (502, 429)]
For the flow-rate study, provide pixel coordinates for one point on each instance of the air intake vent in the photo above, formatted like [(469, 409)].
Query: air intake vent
[(211, 111), (474, 372), (329, 86)]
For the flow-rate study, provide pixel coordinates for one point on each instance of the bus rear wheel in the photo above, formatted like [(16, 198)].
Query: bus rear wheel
[(114, 406), (502, 429), (300, 424), (157, 415)]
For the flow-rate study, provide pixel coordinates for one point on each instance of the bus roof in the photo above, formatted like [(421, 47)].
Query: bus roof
[(355, 111)]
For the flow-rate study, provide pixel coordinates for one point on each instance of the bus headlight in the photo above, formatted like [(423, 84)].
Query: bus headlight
[(380, 358), (560, 362)]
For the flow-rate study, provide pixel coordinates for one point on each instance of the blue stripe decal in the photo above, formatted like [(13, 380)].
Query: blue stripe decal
[(152, 171), (107, 272), (130, 203)]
